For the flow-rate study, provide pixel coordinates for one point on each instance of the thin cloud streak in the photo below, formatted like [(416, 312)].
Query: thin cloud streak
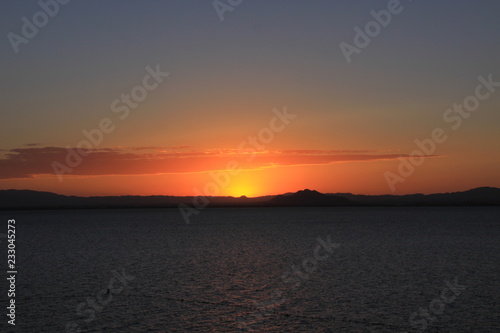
[(33, 162)]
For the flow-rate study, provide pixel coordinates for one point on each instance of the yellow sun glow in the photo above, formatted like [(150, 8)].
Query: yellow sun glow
[(241, 188)]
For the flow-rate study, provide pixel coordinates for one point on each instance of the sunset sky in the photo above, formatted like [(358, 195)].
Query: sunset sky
[(229, 81)]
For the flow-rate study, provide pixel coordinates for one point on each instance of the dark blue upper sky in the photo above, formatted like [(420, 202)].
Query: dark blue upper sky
[(93, 50)]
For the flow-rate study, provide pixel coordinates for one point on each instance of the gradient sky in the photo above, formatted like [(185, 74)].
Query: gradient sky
[(353, 120)]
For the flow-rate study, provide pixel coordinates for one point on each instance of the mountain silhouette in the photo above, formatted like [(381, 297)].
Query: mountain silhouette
[(473, 197), (27, 199), (308, 198)]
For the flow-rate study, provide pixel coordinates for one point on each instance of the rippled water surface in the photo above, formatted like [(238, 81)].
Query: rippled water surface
[(243, 270)]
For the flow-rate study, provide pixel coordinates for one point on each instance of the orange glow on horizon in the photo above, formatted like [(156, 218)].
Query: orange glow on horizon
[(365, 177), (239, 188)]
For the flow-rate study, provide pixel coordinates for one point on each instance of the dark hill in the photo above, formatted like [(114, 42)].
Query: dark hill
[(308, 198), (478, 196)]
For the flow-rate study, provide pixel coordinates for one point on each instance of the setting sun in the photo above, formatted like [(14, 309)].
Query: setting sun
[(243, 185)]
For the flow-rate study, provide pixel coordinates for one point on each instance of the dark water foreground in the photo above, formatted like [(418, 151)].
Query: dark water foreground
[(263, 270)]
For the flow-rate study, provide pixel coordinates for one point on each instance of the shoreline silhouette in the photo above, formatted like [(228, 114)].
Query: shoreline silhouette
[(29, 200)]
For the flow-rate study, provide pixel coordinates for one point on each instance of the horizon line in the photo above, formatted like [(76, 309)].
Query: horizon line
[(249, 197)]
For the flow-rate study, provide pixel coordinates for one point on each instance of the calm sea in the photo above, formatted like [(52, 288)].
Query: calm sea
[(257, 269)]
